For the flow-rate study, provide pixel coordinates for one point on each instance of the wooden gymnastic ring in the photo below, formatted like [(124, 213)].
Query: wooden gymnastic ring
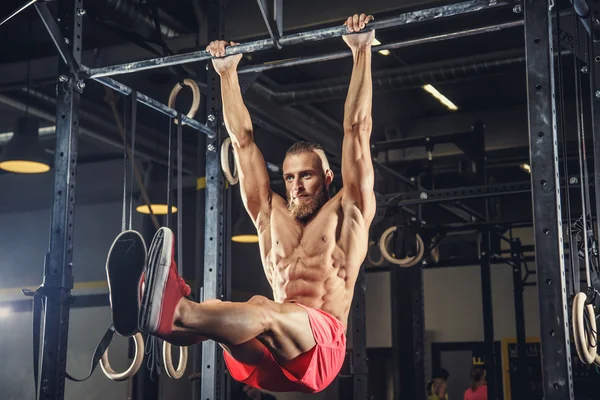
[(377, 263), (586, 349), (168, 360), (195, 100), (133, 368), (384, 242), (231, 178)]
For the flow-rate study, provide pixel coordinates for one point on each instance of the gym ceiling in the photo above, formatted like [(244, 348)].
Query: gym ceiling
[(491, 87)]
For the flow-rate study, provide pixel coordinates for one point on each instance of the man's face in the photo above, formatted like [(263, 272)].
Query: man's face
[(306, 184)]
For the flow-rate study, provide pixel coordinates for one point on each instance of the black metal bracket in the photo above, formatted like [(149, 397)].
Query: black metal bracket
[(528, 272), (272, 13), (62, 43), (468, 192), (465, 213), (468, 142)]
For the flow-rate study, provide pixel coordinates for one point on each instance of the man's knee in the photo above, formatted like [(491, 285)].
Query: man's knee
[(269, 312), (258, 300)]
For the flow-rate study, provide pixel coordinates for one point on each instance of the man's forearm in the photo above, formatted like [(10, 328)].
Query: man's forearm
[(236, 115), (357, 109)]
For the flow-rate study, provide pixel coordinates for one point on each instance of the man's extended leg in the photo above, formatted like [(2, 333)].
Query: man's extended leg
[(283, 328)]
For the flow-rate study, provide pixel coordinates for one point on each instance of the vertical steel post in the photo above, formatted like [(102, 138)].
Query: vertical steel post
[(226, 273), (212, 359), (523, 390), (199, 256), (408, 332), (58, 277), (549, 257), (360, 369), (200, 220), (594, 56), (488, 315)]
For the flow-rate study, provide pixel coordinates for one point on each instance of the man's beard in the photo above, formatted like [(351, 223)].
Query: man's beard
[(305, 209)]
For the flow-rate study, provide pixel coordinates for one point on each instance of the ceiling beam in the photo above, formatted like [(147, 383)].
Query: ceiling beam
[(243, 22)]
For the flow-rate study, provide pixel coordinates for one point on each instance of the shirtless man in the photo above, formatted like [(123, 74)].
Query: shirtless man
[(311, 247)]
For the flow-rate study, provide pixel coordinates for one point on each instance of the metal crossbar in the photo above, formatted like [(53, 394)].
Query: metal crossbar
[(408, 18), (155, 104)]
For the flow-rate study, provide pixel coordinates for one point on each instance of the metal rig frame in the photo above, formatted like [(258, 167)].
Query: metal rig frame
[(58, 278), (547, 221), (545, 186)]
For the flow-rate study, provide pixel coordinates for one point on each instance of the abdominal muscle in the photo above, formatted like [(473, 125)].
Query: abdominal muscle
[(313, 284)]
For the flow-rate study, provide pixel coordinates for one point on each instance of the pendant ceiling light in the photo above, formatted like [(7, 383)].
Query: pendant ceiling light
[(24, 154), (158, 202), (244, 230)]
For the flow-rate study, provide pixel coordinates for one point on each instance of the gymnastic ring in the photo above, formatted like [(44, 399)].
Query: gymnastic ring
[(377, 263), (133, 368), (384, 242), (168, 360), (231, 178), (586, 350), (195, 100)]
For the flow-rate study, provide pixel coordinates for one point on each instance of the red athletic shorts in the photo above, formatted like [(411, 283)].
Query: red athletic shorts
[(320, 365)]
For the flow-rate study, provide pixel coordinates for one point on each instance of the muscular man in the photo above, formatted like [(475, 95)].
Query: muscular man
[(311, 247)]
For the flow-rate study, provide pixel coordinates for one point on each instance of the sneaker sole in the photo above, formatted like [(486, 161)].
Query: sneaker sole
[(124, 268), (157, 274)]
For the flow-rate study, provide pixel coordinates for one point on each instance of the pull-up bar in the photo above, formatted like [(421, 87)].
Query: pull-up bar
[(101, 74), (290, 62), (302, 37), (142, 98)]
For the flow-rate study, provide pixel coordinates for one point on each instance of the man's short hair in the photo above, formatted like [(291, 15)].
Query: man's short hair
[(303, 147), (307, 147)]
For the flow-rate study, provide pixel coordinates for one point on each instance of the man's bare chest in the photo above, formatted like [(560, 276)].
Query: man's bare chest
[(291, 239)]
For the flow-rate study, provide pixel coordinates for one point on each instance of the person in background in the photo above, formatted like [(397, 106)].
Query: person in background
[(437, 387), (478, 391)]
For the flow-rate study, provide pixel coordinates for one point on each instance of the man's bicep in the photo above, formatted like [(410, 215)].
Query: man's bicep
[(255, 186), (358, 175)]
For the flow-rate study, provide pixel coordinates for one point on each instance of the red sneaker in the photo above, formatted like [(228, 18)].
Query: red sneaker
[(163, 287)]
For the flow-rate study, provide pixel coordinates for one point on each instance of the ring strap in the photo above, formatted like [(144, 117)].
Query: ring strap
[(179, 200), (169, 172), (129, 119), (39, 297), (172, 372)]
